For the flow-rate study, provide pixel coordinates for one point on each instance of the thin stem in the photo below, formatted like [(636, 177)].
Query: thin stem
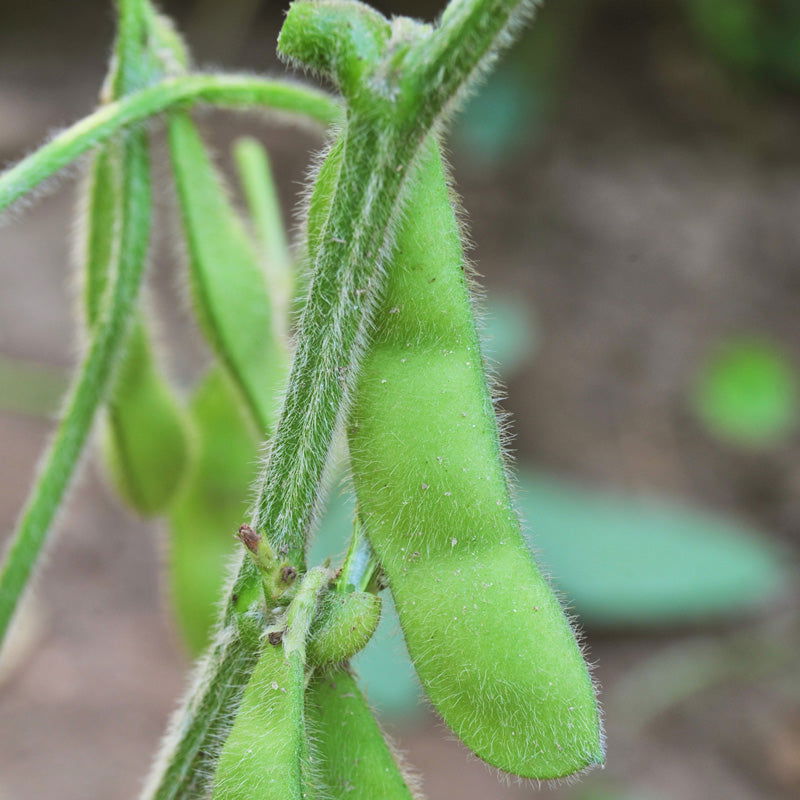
[(460, 50), (90, 385), (227, 91)]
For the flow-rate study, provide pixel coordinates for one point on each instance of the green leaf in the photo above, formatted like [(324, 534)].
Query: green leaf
[(630, 561), (746, 392)]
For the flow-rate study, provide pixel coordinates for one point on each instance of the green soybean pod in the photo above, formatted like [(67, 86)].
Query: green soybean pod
[(488, 637), (354, 760), (265, 755), (144, 439), (227, 281), (345, 623), (210, 505)]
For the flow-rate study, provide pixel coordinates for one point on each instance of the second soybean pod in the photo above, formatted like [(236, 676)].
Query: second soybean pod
[(492, 646), (265, 754), (354, 759)]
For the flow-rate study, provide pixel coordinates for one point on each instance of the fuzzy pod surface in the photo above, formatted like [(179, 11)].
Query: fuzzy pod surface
[(488, 637), (265, 753), (228, 283), (352, 756), (345, 624)]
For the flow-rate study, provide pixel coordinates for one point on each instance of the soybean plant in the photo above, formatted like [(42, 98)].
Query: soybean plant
[(384, 347)]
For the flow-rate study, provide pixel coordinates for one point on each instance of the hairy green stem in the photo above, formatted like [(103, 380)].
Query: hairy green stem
[(227, 91), (90, 385), (190, 747)]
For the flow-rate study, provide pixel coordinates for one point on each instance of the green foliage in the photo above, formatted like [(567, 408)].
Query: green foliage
[(626, 561), (751, 37), (747, 392)]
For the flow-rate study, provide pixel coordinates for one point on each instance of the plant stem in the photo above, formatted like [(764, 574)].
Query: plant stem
[(186, 760), (89, 387), (227, 91)]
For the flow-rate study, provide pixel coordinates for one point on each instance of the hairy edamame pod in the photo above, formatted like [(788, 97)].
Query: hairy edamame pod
[(266, 753), (490, 642), (354, 759), (344, 625), (144, 440), (228, 285)]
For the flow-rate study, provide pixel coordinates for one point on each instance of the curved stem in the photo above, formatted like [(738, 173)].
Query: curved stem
[(227, 91), (89, 388)]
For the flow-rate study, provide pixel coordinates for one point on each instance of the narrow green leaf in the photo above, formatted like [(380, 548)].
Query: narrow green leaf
[(255, 176)]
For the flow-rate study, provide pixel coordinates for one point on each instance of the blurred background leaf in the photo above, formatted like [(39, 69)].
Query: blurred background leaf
[(509, 333), (757, 38), (746, 392), (641, 561)]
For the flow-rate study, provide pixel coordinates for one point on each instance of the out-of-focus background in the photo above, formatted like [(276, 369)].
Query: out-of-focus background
[(631, 177)]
